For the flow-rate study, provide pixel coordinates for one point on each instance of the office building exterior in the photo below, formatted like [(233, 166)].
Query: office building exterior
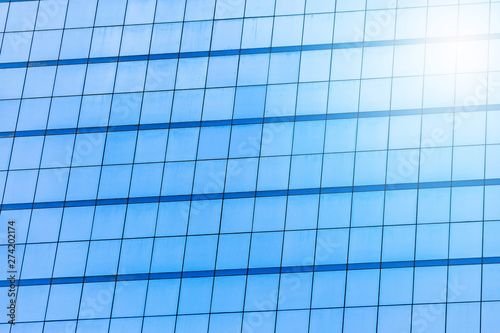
[(250, 166)]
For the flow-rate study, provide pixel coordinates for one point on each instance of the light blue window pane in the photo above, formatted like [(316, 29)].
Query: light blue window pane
[(140, 11), (273, 173), (76, 43), (187, 105), (362, 287), (12, 85), (429, 284), (123, 324), (200, 253), (102, 258), (331, 247), (328, 289), (90, 292), (136, 40), (110, 12), (80, 13), (372, 133), (491, 273), (399, 243), (302, 212), (340, 135), (38, 260), (489, 319), (269, 213), (266, 249), (168, 255), (491, 235), (377, 62), (249, 102), (402, 166), (344, 96), (64, 112), (146, 214), (58, 15), (135, 257), (178, 178), (196, 36), (464, 283), (32, 300), (396, 286), (156, 107), (432, 241), (169, 11), (284, 67), (370, 168), (225, 322), (39, 81), (204, 217), (26, 152), (228, 295), (434, 205), (222, 71), (314, 66), (367, 209), (125, 109), (463, 318), (227, 34), (295, 291), (95, 111), (151, 146), (233, 251), (328, 320), (237, 215), (166, 37), (172, 218), (199, 10), (308, 137), (45, 45), (120, 147), (108, 222), (45, 225), (146, 180), (195, 295), (70, 259), (295, 254), (305, 171), (100, 78), (312, 98), (209, 177), (468, 163), (192, 324), (130, 76), (298, 321), (214, 142), (153, 324), (466, 240), (407, 93), (253, 69), (162, 297), (467, 203), (33, 114), (261, 292), (161, 74), (64, 301), (318, 29), (191, 73), (76, 223), (9, 111), (287, 30), (400, 207), (17, 12), (99, 325), (115, 181), (360, 320), (16, 46), (277, 139), (106, 42), (245, 141), (335, 210), (129, 302), (20, 179), (348, 26), (365, 245), (51, 185), (394, 318)]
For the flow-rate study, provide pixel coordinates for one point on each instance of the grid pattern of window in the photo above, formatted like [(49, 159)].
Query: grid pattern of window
[(249, 166)]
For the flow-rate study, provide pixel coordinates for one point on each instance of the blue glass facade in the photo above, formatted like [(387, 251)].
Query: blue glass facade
[(253, 166)]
